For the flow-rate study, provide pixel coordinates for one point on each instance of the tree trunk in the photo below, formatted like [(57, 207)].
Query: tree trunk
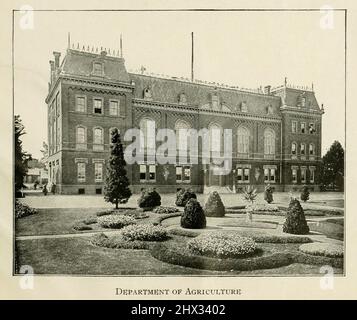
[(116, 204)]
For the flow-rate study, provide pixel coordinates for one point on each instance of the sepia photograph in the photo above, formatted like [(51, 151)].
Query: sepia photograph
[(179, 143)]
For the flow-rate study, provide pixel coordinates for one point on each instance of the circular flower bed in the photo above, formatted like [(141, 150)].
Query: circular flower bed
[(115, 221), (221, 245), (322, 249), (144, 232)]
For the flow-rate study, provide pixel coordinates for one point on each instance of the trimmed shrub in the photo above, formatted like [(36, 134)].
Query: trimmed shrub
[(268, 194), (165, 210), (149, 199), (322, 249), (295, 222), (222, 245), (214, 206), (305, 194), (23, 210), (80, 226), (193, 216), (115, 221), (144, 232), (280, 239), (183, 196)]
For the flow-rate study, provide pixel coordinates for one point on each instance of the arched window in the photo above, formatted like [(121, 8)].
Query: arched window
[(293, 148), (269, 142), (302, 149), (215, 134), (147, 127), (98, 139), (182, 135), (81, 137), (311, 149), (243, 140)]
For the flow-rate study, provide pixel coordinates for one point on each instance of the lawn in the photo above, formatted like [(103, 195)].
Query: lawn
[(77, 256)]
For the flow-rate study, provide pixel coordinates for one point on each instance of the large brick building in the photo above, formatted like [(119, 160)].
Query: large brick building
[(276, 131)]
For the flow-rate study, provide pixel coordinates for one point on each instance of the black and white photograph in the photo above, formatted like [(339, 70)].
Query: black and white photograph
[(179, 143)]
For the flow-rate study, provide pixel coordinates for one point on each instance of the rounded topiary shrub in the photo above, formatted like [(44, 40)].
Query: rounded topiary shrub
[(193, 216), (183, 196), (222, 245), (268, 193), (295, 222), (322, 249), (144, 232), (115, 221), (214, 206), (149, 199), (305, 193)]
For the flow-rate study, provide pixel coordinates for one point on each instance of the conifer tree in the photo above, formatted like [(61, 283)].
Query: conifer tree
[(117, 183)]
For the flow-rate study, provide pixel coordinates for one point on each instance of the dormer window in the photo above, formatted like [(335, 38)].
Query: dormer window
[(244, 107), (215, 102), (147, 94), (98, 68)]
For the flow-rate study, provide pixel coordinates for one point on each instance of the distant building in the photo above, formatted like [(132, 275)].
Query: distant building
[(276, 131), (36, 172)]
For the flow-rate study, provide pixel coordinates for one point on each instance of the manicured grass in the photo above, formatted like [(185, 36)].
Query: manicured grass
[(61, 221), (77, 256)]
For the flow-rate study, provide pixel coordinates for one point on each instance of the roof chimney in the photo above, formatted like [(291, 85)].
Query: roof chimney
[(267, 89), (57, 58)]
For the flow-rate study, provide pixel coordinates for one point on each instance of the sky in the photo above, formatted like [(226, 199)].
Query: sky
[(245, 49)]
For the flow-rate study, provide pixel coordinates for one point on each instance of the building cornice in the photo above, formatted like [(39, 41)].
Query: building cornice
[(294, 110), (195, 110)]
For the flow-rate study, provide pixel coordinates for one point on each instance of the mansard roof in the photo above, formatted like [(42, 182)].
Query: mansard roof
[(80, 63), (200, 95)]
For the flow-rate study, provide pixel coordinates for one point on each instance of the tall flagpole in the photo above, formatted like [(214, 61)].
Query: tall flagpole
[(121, 46), (192, 50)]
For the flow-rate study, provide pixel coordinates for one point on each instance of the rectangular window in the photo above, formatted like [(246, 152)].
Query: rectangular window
[(81, 191), (240, 175), (80, 104), (272, 175), (142, 172), (113, 107), (312, 175), (178, 174), (246, 174), (294, 126), (294, 175), (303, 127), (98, 172), (81, 172), (312, 129), (98, 191), (303, 175), (187, 174), (98, 106), (266, 175), (293, 149), (152, 172)]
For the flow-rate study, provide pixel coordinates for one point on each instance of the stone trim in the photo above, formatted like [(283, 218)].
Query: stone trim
[(85, 160)]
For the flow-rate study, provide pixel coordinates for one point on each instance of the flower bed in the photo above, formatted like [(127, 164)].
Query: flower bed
[(81, 226), (165, 210), (117, 242), (144, 232), (262, 207), (23, 210), (115, 221), (322, 249), (221, 245)]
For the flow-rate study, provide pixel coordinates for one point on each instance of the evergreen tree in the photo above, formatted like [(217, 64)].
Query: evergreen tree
[(21, 157), (117, 183), (333, 167)]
